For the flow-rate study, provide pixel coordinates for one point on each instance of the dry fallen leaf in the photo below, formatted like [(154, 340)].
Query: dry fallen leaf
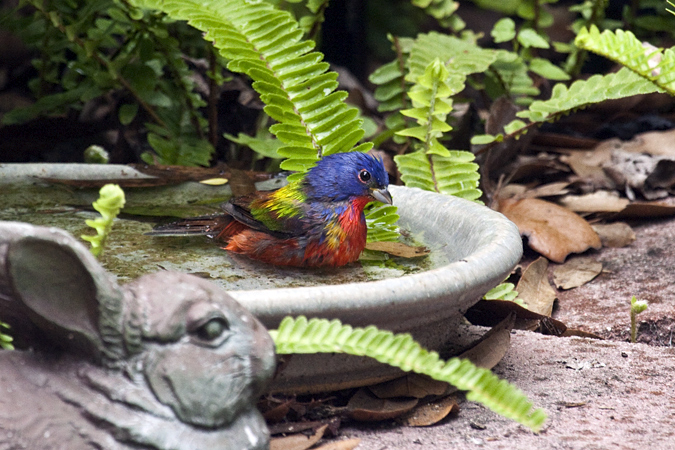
[(548, 190), (492, 347), (489, 312), (659, 143), (535, 290), (599, 201), (345, 444), (552, 230), (297, 441), (398, 249), (646, 209), (618, 234), (430, 413), (409, 385), (587, 165), (365, 407), (576, 272)]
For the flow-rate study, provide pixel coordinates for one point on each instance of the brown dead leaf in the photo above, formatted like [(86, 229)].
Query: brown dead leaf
[(492, 346), (274, 410), (617, 234), (545, 190), (345, 444), (398, 249), (599, 201), (588, 164), (576, 272), (366, 407), (297, 441), (548, 190), (489, 312), (535, 166), (643, 210), (658, 143), (552, 230), (535, 290), (562, 142), (411, 385), (430, 413)]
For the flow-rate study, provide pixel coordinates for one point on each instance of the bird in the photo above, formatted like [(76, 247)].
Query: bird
[(314, 221)]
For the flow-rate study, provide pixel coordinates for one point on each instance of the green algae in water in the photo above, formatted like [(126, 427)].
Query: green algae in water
[(130, 254)]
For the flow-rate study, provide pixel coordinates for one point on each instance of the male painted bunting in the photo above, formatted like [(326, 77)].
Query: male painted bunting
[(315, 221)]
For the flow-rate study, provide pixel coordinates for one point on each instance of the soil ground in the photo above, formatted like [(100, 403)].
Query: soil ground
[(607, 394)]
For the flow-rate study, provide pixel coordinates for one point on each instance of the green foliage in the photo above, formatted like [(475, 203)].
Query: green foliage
[(5, 339), (636, 307), (433, 167), (97, 47), (299, 92), (294, 83), (504, 291), (654, 64), (110, 202), (585, 92), (381, 220), (581, 93), (400, 350)]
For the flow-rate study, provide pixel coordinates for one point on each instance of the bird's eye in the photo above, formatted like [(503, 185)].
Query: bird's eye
[(212, 329), (364, 176)]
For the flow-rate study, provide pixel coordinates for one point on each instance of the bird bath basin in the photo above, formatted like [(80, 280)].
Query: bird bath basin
[(472, 250)]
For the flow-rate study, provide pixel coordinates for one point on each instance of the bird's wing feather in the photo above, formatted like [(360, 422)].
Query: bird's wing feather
[(248, 210)]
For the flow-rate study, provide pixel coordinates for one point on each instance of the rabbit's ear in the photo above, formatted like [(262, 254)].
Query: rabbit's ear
[(69, 295)]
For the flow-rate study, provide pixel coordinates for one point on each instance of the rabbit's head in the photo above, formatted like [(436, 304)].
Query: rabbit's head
[(194, 347), (203, 354)]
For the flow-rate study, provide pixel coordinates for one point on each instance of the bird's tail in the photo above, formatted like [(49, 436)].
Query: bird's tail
[(211, 226)]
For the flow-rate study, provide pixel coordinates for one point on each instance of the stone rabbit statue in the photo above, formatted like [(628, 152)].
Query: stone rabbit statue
[(169, 361)]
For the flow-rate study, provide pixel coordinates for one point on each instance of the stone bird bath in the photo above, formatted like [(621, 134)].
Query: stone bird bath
[(472, 250)]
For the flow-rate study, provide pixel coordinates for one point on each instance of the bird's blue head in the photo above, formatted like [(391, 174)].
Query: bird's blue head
[(342, 176)]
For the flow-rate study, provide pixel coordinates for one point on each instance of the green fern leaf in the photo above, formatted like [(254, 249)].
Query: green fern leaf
[(381, 220), (452, 175), (624, 48), (504, 291), (581, 93), (401, 350), (460, 57), (433, 167), (266, 44)]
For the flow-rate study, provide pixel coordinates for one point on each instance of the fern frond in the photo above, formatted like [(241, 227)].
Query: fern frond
[(381, 221), (5, 339), (623, 47), (433, 167), (293, 80), (504, 291), (581, 93), (509, 75), (432, 104), (109, 204), (455, 174), (460, 57), (391, 87), (401, 350)]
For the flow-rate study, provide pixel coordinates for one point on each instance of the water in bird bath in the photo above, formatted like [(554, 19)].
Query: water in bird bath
[(129, 254)]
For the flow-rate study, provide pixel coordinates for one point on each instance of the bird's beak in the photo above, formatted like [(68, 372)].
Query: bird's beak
[(381, 195)]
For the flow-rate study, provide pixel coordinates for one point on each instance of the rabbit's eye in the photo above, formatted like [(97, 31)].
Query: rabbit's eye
[(212, 329)]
